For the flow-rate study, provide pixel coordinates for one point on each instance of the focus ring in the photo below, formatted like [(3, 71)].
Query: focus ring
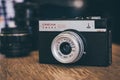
[(75, 42)]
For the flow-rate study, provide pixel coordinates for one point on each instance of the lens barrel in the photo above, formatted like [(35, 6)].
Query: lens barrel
[(15, 43), (67, 47)]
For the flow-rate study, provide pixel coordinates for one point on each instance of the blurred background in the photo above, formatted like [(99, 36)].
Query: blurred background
[(24, 14)]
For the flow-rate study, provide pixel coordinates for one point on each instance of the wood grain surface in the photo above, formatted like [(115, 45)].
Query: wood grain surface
[(28, 68)]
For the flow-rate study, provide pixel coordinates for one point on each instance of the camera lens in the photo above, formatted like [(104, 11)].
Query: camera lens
[(15, 43), (65, 48)]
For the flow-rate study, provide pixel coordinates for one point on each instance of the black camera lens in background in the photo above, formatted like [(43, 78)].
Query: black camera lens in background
[(26, 13), (17, 35), (65, 48), (15, 42)]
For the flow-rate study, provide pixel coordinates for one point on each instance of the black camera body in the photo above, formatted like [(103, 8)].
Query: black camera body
[(75, 42)]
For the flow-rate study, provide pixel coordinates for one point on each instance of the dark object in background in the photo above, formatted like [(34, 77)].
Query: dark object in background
[(26, 16), (61, 9), (114, 9), (15, 42), (32, 23), (15, 37)]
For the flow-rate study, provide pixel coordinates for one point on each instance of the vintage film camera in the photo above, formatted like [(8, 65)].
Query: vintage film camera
[(85, 41)]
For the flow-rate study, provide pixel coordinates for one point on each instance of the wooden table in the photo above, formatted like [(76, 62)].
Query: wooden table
[(28, 68)]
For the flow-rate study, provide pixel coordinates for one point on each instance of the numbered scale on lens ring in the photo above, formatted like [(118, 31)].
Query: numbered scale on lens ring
[(67, 47)]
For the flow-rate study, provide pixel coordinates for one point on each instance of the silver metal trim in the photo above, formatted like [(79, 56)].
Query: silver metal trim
[(14, 34), (73, 56)]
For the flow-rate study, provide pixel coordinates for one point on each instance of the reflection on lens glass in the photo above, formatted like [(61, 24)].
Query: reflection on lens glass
[(65, 48)]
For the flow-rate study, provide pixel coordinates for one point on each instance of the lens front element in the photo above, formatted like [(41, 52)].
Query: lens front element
[(67, 47)]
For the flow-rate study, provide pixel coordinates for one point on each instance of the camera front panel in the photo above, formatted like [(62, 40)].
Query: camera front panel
[(97, 52)]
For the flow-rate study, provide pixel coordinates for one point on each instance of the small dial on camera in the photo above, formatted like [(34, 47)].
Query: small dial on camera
[(67, 47)]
